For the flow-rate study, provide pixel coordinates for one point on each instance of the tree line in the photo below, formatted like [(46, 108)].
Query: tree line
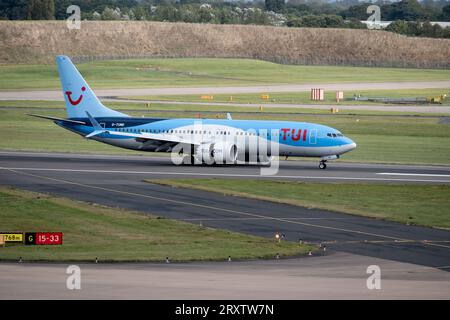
[(410, 16)]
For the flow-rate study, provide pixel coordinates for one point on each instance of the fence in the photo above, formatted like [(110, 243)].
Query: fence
[(334, 61)]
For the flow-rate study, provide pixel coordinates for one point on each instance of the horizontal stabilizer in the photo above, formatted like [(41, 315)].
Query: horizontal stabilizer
[(56, 119), (95, 133)]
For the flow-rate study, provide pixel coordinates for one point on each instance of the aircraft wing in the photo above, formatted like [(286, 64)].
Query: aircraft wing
[(156, 136), (56, 119)]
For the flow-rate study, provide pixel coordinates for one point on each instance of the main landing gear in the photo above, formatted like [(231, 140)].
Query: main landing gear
[(322, 164)]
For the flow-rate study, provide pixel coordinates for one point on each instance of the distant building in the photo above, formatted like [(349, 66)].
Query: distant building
[(384, 24)]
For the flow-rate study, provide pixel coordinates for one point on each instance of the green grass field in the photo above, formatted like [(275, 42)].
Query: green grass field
[(304, 97), (110, 234), (381, 139), (195, 110), (203, 72), (427, 205)]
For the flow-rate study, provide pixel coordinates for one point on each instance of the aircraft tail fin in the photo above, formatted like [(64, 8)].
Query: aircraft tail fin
[(78, 96)]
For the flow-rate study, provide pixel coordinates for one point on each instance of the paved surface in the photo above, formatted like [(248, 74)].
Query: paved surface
[(131, 168), (335, 276), (57, 94), (432, 109), (117, 181)]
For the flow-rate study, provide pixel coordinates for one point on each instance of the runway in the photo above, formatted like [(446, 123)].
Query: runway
[(407, 109), (336, 276), (117, 181), (130, 168), (57, 94)]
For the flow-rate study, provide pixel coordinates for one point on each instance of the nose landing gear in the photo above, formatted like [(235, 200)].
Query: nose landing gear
[(322, 164)]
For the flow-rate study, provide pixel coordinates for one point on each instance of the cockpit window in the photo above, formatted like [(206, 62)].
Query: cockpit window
[(334, 135)]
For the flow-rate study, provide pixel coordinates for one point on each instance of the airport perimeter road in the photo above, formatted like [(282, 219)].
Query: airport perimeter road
[(57, 94), (432, 109), (335, 276), (117, 181)]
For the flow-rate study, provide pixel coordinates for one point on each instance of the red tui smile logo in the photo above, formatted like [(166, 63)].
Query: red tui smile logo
[(75, 102)]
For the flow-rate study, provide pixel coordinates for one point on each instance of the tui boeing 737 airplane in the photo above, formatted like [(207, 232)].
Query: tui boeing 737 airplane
[(193, 140)]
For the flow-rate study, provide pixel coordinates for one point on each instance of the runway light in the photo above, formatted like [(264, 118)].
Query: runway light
[(229, 258), (278, 237), (167, 260)]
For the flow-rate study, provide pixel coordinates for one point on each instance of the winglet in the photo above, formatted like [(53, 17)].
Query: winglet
[(229, 116)]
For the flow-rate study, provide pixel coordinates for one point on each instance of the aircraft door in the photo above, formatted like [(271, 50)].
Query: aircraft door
[(313, 136)]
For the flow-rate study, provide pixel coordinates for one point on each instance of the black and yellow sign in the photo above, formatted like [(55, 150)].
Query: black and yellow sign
[(12, 237), (30, 238)]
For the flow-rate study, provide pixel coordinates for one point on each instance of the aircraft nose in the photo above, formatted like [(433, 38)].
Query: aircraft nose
[(352, 146)]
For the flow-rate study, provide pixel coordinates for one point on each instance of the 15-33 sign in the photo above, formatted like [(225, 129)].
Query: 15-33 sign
[(43, 238)]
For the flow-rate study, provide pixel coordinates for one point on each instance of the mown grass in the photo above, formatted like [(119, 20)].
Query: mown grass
[(200, 110), (111, 234), (304, 97), (426, 205), (381, 139), (203, 72)]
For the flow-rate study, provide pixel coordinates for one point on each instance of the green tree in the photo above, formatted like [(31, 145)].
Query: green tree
[(409, 10), (40, 10), (13, 9), (274, 5), (398, 26), (445, 15)]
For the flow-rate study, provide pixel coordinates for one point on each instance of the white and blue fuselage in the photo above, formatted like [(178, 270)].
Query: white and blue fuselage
[(88, 117)]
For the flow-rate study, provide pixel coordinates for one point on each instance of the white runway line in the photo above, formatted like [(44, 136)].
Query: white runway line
[(236, 175), (414, 174)]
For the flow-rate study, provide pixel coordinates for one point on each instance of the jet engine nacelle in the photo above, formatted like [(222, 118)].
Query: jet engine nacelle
[(220, 152)]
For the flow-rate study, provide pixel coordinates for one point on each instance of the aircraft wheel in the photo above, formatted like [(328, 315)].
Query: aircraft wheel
[(322, 165)]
